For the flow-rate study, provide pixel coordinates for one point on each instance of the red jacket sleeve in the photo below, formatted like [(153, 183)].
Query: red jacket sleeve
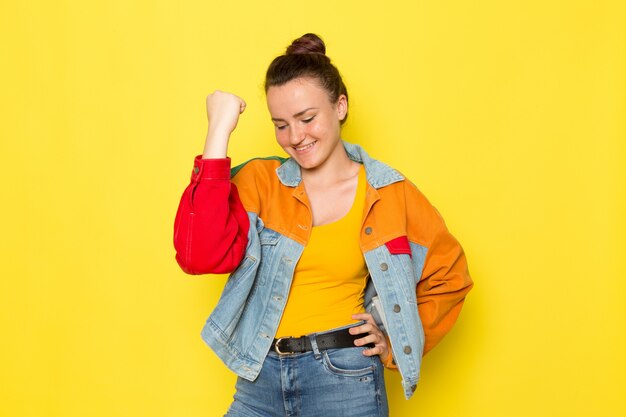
[(211, 225)]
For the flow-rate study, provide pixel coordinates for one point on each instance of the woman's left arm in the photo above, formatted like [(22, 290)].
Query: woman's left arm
[(444, 280), (443, 286)]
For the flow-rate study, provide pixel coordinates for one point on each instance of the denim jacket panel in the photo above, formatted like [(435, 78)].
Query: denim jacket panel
[(242, 326), (393, 277)]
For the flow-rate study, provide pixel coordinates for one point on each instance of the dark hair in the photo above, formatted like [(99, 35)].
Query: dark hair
[(306, 57)]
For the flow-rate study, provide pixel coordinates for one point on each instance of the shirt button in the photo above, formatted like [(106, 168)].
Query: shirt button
[(196, 170), (383, 267), (368, 230), (408, 350), (396, 308)]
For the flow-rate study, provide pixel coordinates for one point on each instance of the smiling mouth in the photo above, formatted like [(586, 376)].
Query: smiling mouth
[(305, 147)]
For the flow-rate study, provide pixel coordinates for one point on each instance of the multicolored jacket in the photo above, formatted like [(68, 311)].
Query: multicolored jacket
[(254, 221)]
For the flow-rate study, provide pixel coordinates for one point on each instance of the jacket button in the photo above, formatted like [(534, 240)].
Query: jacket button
[(408, 350), (196, 170), (396, 308), (368, 230), (384, 267)]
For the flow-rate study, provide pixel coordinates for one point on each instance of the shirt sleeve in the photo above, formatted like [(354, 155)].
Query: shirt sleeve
[(211, 224)]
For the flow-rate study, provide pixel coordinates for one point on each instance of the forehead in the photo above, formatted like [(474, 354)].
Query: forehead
[(296, 95)]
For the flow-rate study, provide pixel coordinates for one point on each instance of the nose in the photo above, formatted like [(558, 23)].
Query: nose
[(297, 135)]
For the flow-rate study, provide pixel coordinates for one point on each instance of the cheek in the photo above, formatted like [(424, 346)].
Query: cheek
[(318, 130), (329, 132), (282, 138)]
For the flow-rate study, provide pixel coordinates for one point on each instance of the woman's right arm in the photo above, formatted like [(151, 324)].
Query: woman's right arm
[(211, 225)]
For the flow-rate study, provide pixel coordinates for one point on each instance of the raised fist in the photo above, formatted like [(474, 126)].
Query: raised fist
[(223, 110)]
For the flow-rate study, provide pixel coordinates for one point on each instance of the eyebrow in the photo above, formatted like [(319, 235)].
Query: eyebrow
[(300, 113)]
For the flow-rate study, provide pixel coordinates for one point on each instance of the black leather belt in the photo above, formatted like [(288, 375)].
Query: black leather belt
[(331, 340)]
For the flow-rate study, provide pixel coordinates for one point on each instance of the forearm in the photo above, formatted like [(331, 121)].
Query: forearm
[(216, 144)]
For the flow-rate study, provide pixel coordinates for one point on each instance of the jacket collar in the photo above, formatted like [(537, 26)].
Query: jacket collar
[(378, 174)]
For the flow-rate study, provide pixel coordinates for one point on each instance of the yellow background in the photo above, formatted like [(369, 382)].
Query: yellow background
[(510, 116)]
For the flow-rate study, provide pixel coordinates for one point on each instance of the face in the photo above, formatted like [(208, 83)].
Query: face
[(307, 124)]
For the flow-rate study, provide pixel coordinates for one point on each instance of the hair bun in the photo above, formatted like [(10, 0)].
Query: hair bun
[(309, 43)]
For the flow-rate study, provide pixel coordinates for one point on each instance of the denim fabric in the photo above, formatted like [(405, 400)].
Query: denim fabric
[(242, 326), (333, 382)]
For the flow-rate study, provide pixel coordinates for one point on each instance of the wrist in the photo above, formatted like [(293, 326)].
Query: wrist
[(220, 130), (216, 144), (388, 362)]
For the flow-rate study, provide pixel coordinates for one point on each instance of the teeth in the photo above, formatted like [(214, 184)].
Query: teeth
[(305, 147)]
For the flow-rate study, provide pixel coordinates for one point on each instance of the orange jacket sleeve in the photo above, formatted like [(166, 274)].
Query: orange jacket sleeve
[(445, 279), (442, 288)]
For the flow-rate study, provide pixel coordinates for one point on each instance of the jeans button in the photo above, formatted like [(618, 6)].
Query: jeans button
[(384, 267)]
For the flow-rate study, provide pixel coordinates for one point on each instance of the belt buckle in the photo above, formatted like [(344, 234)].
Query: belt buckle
[(277, 349)]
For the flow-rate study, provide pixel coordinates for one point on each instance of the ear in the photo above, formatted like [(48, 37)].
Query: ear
[(342, 106)]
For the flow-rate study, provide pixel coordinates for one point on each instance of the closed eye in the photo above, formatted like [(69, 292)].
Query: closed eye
[(282, 127), (309, 120)]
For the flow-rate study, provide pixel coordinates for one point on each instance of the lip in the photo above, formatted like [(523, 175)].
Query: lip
[(305, 148)]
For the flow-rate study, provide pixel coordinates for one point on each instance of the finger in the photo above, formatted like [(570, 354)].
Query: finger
[(370, 338), (365, 328), (363, 316), (377, 350)]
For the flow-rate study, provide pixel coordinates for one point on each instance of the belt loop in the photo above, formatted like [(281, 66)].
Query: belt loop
[(316, 350)]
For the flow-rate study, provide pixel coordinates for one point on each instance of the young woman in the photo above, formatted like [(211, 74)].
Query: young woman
[(331, 254)]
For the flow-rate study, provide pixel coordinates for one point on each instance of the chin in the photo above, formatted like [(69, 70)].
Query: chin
[(305, 165)]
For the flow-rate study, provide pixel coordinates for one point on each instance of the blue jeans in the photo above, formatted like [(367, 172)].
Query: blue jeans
[(328, 383)]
